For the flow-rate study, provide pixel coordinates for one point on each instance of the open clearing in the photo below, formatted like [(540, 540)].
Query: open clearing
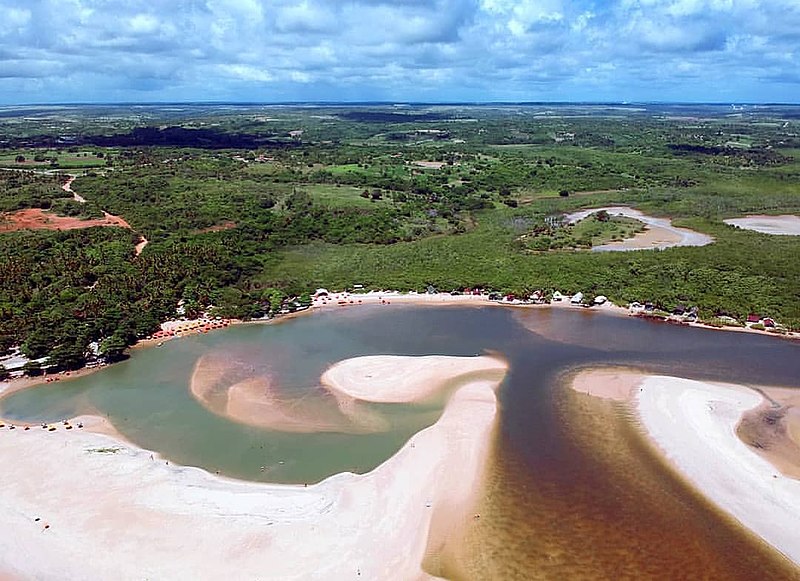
[(38, 219), (786, 225)]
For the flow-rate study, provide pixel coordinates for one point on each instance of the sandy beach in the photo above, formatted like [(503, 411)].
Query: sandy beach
[(694, 425), (81, 504)]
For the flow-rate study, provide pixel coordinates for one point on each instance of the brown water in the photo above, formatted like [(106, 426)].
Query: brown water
[(574, 491)]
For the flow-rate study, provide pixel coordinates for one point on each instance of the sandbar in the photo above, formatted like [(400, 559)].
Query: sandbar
[(396, 379), (786, 225), (79, 504), (694, 425)]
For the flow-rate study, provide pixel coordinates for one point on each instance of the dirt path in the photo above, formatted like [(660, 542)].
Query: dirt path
[(67, 187), (38, 219), (140, 245)]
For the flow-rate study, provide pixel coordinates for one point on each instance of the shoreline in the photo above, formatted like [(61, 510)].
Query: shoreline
[(388, 298), (418, 500), (692, 425)]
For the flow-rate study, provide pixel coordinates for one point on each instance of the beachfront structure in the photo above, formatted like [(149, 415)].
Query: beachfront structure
[(557, 296), (577, 298), (321, 292), (16, 363), (600, 299)]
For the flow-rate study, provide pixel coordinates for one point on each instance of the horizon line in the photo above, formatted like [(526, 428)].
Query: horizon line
[(398, 103)]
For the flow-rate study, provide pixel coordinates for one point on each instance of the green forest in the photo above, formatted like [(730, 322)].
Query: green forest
[(248, 212)]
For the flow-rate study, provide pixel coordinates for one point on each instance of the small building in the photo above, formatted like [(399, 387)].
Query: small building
[(557, 296), (577, 298), (751, 318), (768, 322), (600, 299), (635, 305), (321, 292)]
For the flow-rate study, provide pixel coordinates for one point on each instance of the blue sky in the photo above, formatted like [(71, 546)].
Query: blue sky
[(400, 50)]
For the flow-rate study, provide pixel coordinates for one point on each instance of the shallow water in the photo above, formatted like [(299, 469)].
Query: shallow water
[(573, 491)]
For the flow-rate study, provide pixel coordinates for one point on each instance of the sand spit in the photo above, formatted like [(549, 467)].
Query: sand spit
[(396, 379), (786, 225), (660, 232), (85, 505), (234, 390), (694, 424)]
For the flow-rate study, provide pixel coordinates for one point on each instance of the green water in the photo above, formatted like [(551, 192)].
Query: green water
[(147, 399)]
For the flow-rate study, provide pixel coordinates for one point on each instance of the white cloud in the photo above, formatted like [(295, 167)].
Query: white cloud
[(453, 49)]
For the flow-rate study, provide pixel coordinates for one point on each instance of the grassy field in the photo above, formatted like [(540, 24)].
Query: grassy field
[(339, 196), (57, 159)]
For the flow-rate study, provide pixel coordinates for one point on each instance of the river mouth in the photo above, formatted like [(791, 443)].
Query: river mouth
[(573, 489)]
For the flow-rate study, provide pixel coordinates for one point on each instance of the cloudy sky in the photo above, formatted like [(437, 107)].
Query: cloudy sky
[(399, 50)]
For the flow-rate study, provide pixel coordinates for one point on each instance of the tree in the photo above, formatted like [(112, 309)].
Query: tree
[(3, 373), (274, 297), (32, 368), (113, 348), (20, 159)]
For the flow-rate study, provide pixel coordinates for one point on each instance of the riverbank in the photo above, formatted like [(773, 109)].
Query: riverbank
[(387, 298), (694, 426), (130, 513), (659, 232)]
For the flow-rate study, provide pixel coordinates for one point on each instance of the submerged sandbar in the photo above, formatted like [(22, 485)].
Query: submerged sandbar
[(107, 509), (694, 424)]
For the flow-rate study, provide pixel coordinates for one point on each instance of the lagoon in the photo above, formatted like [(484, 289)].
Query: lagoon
[(574, 488)]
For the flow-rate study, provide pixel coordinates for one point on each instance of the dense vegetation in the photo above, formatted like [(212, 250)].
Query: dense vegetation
[(243, 208)]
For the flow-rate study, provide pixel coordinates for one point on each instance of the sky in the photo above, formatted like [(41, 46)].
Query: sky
[(62, 51)]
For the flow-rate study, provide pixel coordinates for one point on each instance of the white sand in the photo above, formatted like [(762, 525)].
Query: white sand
[(129, 515), (786, 225), (660, 232), (395, 379), (694, 424)]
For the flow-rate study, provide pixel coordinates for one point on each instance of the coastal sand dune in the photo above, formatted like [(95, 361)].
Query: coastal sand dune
[(694, 424), (112, 510)]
